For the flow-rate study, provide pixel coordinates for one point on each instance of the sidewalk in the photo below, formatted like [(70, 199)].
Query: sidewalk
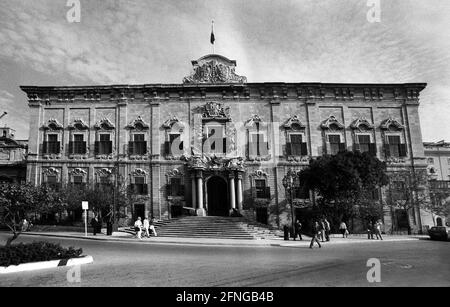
[(129, 238)]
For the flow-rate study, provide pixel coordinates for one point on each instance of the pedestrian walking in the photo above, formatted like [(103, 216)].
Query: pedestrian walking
[(298, 228), (378, 229), (94, 225), (152, 226), (327, 229), (138, 228), (370, 231), (343, 229), (315, 234), (146, 226), (322, 230)]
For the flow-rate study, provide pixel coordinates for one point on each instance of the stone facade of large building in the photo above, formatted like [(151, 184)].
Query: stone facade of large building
[(216, 142)]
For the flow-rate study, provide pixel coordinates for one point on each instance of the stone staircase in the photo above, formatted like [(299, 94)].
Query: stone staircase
[(214, 227)]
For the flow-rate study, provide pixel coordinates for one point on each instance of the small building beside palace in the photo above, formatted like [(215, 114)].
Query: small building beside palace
[(12, 157), (216, 143)]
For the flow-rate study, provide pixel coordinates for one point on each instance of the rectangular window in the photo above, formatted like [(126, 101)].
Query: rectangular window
[(296, 143), (262, 191), (52, 146), (335, 141), (104, 146), (215, 140), (257, 146), (139, 186), (176, 187), (364, 143), (77, 180), (52, 181), (78, 146), (394, 142), (138, 146), (174, 146)]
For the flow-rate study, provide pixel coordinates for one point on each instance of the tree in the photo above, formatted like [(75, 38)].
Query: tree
[(17, 201), (344, 183)]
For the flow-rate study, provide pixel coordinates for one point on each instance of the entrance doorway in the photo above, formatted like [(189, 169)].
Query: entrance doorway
[(139, 211), (217, 197)]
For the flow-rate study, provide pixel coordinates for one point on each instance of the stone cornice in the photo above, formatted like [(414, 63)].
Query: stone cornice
[(274, 91)]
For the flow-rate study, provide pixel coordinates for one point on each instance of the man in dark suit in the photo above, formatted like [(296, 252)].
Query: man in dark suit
[(298, 228), (315, 234)]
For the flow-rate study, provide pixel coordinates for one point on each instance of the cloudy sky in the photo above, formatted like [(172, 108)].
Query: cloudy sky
[(152, 41)]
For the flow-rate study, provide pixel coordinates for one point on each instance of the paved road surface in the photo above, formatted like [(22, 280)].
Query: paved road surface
[(410, 263)]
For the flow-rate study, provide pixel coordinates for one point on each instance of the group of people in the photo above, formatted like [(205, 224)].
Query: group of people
[(374, 228), (144, 226), (320, 230)]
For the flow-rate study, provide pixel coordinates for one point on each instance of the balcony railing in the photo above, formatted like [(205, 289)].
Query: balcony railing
[(440, 184)]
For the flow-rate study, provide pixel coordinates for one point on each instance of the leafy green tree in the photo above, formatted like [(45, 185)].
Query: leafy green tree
[(18, 201), (344, 183)]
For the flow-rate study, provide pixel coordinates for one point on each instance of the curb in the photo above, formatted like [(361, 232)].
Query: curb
[(354, 241), (33, 266)]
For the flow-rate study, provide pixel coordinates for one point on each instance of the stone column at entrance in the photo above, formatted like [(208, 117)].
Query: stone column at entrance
[(194, 193), (239, 192), (232, 192), (200, 210)]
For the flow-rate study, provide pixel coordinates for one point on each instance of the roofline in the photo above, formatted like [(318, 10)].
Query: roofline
[(27, 88)]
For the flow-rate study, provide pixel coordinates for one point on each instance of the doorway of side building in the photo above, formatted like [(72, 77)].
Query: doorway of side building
[(217, 197), (139, 211), (262, 215)]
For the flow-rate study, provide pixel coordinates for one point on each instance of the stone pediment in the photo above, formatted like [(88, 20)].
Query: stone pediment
[(214, 68), (78, 124), (53, 124), (138, 124), (104, 124), (332, 123), (391, 123), (362, 123)]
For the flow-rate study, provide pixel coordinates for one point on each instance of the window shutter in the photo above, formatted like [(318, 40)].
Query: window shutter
[(402, 150), (181, 189), (264, 150), (224, 148), (252, 149), (387, 151), (130, 148), (71, 148), (145, 189), (97, 147), (304, 149), (168, 189), (167, 148), (373, 149), (289, 149), (44, 147), (267, 194)]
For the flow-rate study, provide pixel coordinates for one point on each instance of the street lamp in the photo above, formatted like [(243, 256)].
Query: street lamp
[(288, 184)]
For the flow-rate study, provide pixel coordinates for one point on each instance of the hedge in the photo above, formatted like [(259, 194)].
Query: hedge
[(36, 252)]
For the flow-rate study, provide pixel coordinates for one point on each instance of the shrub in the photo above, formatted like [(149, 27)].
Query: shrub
[(35, 252)]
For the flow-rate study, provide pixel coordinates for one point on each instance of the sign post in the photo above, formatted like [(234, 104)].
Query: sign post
[(85, 206)]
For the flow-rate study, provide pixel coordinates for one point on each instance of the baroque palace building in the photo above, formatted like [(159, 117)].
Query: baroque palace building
[(216, 142)]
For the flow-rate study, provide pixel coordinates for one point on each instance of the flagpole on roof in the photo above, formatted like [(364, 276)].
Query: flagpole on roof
[(213, 38)]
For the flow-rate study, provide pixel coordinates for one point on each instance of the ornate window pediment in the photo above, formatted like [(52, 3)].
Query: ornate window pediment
[(104, 172), (50, 171), (362, 123), (216, 111), (294, 123), (138, 124), (78, 171), (391, 123), (53, 124), (252, 121), (174, 173), (259, 174), (104, 124), (139, 172), (78, 124), (168, 124), (331, 123)]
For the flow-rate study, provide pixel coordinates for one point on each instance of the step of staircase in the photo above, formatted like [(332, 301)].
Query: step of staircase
[(214, 227)]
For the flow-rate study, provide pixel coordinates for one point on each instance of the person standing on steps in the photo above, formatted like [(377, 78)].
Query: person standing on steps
[(146, 226), (152, 226), (138, 228), (315, 234)]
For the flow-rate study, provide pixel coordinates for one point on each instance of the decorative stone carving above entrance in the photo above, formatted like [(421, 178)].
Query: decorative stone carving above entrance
[(202, 162), (216, 111), (214, 68)]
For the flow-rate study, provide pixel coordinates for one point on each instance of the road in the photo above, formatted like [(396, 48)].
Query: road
[(409, 263)]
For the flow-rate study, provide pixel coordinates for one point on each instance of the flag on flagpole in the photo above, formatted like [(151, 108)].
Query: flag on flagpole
[(213, 38)]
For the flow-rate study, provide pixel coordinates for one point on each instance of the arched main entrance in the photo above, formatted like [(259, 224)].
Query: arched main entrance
[(217, 197)]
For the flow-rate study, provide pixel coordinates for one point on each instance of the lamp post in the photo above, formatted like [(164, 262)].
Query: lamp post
[(288, 184)]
